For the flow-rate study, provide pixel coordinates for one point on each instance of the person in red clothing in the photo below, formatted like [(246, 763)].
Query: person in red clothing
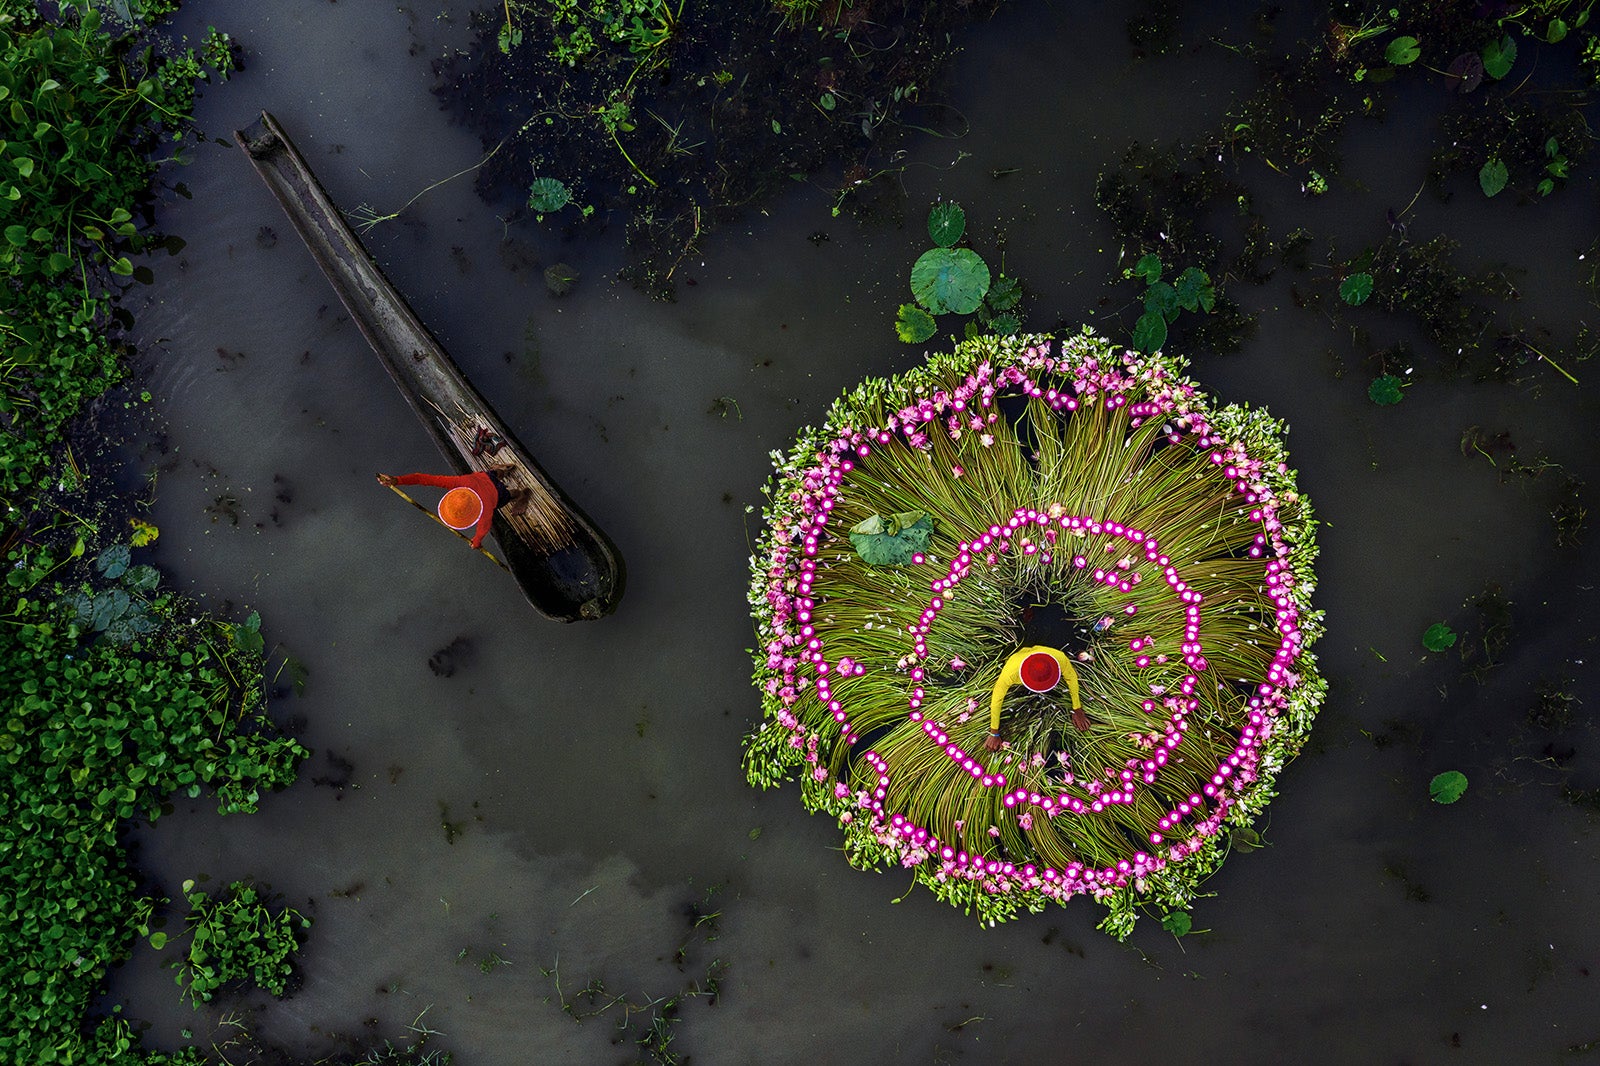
[(470, 499)]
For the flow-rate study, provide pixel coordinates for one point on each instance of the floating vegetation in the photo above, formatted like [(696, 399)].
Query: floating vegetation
[(1081, 497)]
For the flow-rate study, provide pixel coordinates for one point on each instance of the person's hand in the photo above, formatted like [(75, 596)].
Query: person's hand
[(386, 479), (993, 743)]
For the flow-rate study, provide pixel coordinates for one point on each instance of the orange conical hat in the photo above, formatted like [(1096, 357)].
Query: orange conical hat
[(460, 508)]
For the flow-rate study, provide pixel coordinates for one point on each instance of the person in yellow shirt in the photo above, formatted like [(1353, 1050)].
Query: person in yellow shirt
[(1038, 669)]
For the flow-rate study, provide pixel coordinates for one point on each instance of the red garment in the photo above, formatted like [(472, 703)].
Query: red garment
[(477, 481)]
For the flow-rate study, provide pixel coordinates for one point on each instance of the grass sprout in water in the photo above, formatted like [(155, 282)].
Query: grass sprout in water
[(1080, 496)]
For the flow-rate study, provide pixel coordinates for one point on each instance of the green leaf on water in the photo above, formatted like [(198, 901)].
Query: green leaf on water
[(1492, 178), (1386, 391), (1004, 294), (946, 223), (1195, 291), (1162, 299), (1402, 51), (112, 562), (548, 194), (1498, 56), (1148, 267), (950, 280), (1438, 637), (892, 541), (1150, 332), (1005, 325), (1448, 786), (1178, 923), (158, 940), (1355, 289), (755, 834), (914, 325)]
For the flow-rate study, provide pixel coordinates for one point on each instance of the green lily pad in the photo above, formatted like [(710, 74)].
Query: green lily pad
[(892, 541), (914, 325), (1438, 637), (1178, 923), (1448, 786), (1493, 176), (946, 223), (950, 280), (548, 194), (1402, 51), (1162, 299), (1355, 289), (1386, 390), (1498, 57), (1150, 332), (1195, 291), (1148, 267)]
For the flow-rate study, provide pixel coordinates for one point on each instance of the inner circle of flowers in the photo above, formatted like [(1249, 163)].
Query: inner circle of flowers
[(795, 641)]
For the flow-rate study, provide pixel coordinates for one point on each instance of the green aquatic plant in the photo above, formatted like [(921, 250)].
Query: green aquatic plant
[(1189, 291), (97, 733), (1076, 495), (950, 280), (1499, 56), (1492, 176), (1386, 390), (547, 195), (1356, 288), (236, 939), (1439, 637), (1448, 786), (1402, 51)]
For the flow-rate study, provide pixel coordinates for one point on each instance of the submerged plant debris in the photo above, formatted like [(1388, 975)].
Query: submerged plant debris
[(676, 126)]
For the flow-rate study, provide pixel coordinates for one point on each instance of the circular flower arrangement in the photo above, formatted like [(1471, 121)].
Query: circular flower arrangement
[(1019, 492)]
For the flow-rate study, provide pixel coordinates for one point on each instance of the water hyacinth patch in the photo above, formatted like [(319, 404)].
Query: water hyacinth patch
[(1080, 496)]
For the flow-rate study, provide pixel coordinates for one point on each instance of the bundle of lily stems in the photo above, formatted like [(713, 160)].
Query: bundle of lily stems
[(1020, 491)]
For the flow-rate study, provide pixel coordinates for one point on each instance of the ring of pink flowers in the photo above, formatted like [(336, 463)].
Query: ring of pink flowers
[(998, 539), (1076, 877)]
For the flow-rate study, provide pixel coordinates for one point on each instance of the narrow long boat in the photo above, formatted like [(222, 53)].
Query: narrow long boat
[(568, 569)]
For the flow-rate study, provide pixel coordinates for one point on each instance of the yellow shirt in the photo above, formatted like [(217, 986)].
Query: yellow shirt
[(1011, 674)]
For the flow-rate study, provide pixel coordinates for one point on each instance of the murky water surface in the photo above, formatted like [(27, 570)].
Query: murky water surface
[(560, 797)]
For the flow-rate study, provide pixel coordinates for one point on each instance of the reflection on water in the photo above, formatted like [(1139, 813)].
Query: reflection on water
[(567, 791)]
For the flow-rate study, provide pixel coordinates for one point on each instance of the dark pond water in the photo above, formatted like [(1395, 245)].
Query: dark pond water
[(567, 792)]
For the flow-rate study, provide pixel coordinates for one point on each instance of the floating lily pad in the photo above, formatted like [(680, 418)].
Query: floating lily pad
[(1148, 267), (1150, 332), (950, 280), (946, 223), (1492, 178), (1195, 291), (1402, 51), (548, 194), (1448, 786), (1386, 391), (1178, 923), (1355, 289), (1438, 637), (1498, 57), (914, 325)]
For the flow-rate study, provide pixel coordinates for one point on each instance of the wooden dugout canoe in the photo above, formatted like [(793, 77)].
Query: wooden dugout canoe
[(568, 569)]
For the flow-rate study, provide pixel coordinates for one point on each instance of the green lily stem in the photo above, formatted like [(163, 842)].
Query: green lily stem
[(1552, 362), (631, 163)]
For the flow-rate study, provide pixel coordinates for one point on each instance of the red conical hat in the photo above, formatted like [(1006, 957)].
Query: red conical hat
[(460, 508), (1040, 672)]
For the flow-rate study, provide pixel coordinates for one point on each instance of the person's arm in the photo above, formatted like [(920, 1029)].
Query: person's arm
[(1010, 674), (485, 523), (442, 481)]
